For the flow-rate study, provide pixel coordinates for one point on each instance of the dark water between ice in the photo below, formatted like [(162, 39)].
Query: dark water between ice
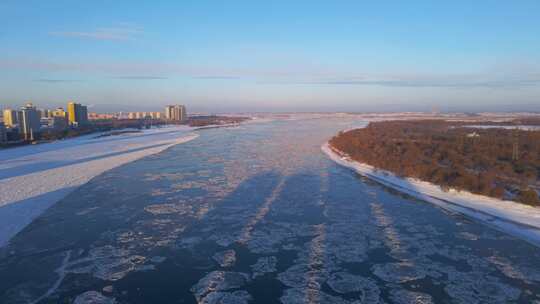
[(258, 214)]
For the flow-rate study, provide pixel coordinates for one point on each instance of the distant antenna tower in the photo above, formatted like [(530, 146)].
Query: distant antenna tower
[(515, 146), (515, 149)]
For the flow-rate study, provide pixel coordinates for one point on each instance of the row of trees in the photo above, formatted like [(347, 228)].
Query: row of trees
[(201, 121), (498, 162)]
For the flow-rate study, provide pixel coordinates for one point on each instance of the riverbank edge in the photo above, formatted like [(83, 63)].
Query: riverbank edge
[(51, 200), (523, 223)]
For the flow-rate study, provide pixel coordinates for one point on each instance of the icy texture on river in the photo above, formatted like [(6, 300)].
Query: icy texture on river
[(258, 214)]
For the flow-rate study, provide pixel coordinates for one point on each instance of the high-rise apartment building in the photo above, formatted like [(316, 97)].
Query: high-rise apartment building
[(77, 114), (30, 123), (175, 112), (45, 113), (56, 122), (11, 117)]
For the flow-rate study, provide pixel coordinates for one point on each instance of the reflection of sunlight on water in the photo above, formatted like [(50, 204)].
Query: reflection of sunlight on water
[(317, 254), (210, 286), (391, 236), (315, 265), (245, 235), (515, 272)]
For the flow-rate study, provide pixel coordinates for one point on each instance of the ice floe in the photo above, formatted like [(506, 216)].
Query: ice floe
[(307, 295), (225, 258), (398, 272), (160, 209), (402, 296), (475, 288), (107, 263), (264, 265), (93, 297), (344, 282), (219, 297), (219, 281)]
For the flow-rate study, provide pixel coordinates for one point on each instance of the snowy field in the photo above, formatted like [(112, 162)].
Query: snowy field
[(33, 178), (516, 219)]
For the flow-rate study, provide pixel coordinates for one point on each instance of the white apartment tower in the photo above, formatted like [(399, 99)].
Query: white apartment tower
[(175, 112)]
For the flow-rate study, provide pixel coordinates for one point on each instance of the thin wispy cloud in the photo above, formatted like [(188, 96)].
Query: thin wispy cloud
[(217, 77), (49, 80), (161, 70), (121, 33), (436, 81), (141, 77)]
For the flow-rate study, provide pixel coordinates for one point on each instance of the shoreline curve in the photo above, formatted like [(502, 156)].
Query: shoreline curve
[(520, 220), (55, 173)]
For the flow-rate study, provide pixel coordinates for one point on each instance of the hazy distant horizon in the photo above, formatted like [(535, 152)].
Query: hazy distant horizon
[(374, 108)]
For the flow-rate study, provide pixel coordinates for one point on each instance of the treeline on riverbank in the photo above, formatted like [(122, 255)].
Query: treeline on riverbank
[(202, 121), (497, 162)]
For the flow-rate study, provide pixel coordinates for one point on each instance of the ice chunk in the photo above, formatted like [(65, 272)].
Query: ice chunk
[(398, 272), (225, 258), (264, 265), (302, 296), (162, 209), (217, 281), (302, 275), (235, 297), (343, 282), (473, 287), (107, 263), (402, 296)]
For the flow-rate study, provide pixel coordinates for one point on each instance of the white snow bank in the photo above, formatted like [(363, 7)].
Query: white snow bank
[(517, 127), (33, 178), (513, 218)]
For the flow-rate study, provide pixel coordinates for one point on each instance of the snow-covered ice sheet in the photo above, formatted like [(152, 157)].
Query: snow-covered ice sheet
[(513, 218), (33, 178)]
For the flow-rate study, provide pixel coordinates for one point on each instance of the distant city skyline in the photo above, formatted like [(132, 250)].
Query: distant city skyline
[(277, 56)]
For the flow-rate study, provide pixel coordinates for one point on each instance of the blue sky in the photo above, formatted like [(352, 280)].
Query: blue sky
[(272, 56)]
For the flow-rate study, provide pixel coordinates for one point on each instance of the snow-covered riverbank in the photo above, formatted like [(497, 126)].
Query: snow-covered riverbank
[(33, 178), (513, 218)]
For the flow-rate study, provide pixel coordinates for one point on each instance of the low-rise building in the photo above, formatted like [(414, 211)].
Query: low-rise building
[(144, 115), (3, 133), (100, 116)]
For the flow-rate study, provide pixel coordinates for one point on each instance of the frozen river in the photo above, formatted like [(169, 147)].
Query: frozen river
[(258, 214)]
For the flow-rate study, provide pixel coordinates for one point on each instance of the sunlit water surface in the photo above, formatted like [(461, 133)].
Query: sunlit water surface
[(257, 214)]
